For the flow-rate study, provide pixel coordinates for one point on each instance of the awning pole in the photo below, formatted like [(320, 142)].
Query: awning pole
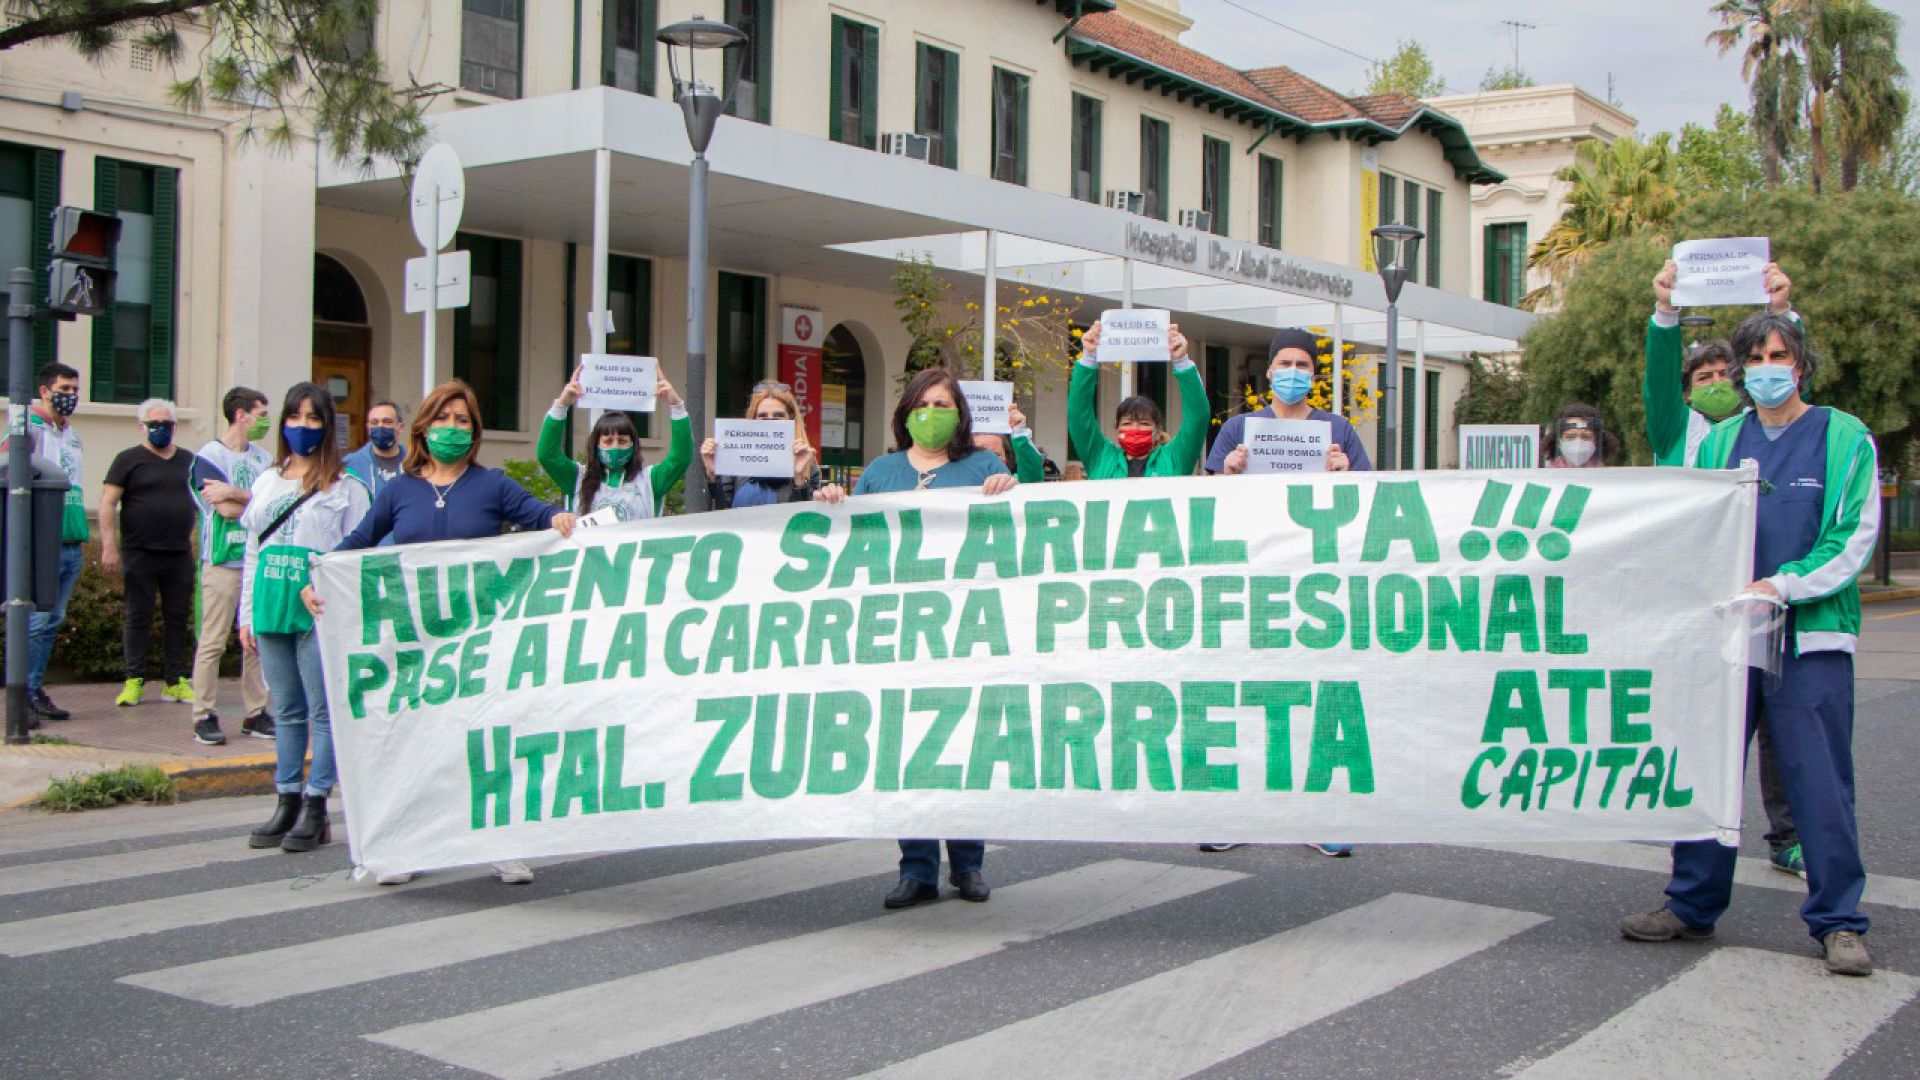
[(1419, 393), (1339, 359), (991, 323), (1126, 301)]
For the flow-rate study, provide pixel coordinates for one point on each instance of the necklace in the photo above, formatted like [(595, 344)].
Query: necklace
[(440, 493)]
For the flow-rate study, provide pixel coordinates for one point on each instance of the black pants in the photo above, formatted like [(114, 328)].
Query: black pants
[(170, 573)]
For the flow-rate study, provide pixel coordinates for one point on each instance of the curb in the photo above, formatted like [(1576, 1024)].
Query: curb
[(233, 776), (1909, 593)]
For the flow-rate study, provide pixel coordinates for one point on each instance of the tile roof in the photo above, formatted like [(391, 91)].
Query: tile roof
[(1120, 32), (1303, 97)]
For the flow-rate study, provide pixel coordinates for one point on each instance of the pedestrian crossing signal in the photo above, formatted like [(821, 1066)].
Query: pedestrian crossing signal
[(81, 275)]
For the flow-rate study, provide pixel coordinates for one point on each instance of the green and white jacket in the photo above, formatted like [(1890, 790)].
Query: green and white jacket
[(60, 444), (273, 575), (1822, 586)]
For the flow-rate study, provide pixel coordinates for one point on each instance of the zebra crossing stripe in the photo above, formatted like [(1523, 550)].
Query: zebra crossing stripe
[(1182, 1021), (1713, 1015), (1882, 889), (622, 1017), (259, 977), (22, 834), (67, 873)]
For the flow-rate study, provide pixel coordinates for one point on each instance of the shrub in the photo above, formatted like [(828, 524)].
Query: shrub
[(88, 646), (128, 783)]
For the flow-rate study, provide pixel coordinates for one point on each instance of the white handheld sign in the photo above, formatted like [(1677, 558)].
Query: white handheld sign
[(618, 382), (1499, 446), (762, 448), (1134, 336), (438, 197), (1287, 446), (990, 403), (1724, 271)]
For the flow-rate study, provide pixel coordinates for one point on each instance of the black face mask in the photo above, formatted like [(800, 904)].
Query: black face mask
[(160, 433), (65, 402)]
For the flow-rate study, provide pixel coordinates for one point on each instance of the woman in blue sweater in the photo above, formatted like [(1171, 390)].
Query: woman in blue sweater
[(443, 493), (934, 430)]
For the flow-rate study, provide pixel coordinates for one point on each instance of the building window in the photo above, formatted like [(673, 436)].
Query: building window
[(854, 82), (1272, 188), (1086, 148), (29, 190), (490, 32), (627, 46), (936, 103), (1433, 237), (1153, 166), (1505, 259), (1009, 126), (133, 345), (1410, 215), (630, 302), (753, 93), (486, 333), (740, 356), (1216, 164)]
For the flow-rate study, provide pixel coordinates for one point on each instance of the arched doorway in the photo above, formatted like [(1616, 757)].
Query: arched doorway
[(844, 438), (342, 346)]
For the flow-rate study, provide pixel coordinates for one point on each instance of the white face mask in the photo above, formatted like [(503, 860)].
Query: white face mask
[(1577, 453)]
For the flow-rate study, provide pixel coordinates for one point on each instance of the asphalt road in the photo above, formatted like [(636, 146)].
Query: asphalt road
[(150, 942)]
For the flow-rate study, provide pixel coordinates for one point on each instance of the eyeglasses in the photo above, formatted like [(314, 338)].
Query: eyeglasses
[(765, 387)]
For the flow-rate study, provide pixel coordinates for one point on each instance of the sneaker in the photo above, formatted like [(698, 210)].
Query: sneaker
[(1660, 924), (1220, 847), (44, 707), (258, 726), (180, 690), (1334, 851), (400, 878), (130, 693), (1788, 860), (1847, 954), (513, 872), (206, 731)]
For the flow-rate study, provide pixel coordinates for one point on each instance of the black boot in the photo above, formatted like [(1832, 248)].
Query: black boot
[(284, 813), (313, 830)]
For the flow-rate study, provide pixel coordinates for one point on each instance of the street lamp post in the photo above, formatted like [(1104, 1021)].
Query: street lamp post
[(1395, 249), (701, 104)]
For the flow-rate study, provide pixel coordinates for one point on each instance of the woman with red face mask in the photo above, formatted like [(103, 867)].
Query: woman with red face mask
[(1144, 447)]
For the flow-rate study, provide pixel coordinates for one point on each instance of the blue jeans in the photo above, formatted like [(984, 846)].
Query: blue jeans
[(291, 664), (44, 626), (920, 859), (1810, 717)]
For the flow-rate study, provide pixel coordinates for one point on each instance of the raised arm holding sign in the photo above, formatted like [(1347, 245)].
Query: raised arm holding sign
[(1722, 271), (622, 383), (1135, 336)]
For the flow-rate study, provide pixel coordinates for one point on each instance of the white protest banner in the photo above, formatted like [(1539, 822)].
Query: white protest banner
[(1287, 446), (1499, 446), (762, 448), (613, 382), (990, 403), (1379, 657), (1134, 336), (1724, 271)]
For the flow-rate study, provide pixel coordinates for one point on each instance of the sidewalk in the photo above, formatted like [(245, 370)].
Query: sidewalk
[(154, 732)]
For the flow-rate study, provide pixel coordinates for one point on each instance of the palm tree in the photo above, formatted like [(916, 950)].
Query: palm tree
[(1613, 191), (1858, 83), (1775, 75)]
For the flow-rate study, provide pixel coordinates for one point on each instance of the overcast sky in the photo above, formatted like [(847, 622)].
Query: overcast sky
[(1664, 73)]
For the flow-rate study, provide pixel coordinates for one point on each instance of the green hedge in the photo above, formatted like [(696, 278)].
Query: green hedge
[(88, 647)]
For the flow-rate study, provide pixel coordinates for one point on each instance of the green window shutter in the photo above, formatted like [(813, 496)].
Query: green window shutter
[(869, 87), (1093, 167), (764, 48), (1490, 264), (1410, 215), (836, 88), (922, 87), (1224, 175), (1020, 129), (106, 200), (1389, 201), (609, 32), (1432, 440), (166, 245), (1433, 237), (46, 196), (505, 401), (950, 111), (1518, 246), (649, 49)]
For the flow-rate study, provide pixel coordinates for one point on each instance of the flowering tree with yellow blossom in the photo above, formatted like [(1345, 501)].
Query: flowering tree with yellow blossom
[(1035, 339), (1359, 400)]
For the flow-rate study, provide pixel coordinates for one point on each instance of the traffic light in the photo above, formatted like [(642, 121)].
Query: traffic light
[(80, 279)]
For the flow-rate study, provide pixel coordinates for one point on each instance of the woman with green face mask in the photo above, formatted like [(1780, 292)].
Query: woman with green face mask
[(612, 475), (934, 430)]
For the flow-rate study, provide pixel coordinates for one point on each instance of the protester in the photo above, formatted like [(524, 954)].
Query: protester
[(933, 428), (147, 516), (1819, 513), (770, 401), (1291, 368), (1578, 439), (1145, 448), (1023, 459), (378, 463), (1683, 400), (51, 435), (223, 477), (613, 476), (444, 493), (301, 507)]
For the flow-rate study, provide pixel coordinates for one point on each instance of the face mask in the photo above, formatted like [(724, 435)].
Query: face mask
[(1715, 400), (1770, 385), (1136, 442), (1577, 453), (615, 458), (932, 428), (160, 434), (302, 440), (449, 444), (1291, 385), (258, 428), (382, 438), (65, 403)]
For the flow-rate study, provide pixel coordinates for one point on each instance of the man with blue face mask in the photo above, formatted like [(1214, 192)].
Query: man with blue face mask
[(378, 462), (1819, 514), (147, 516), (1291, 370)]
